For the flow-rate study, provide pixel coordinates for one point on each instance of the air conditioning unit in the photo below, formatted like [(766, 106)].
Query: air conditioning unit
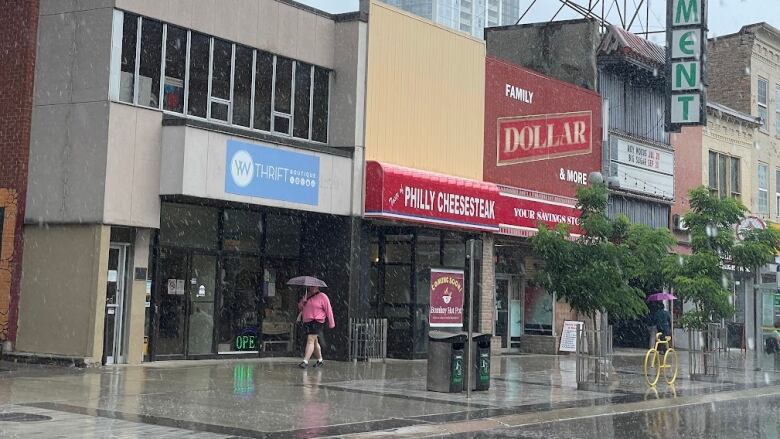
[(679, 223)]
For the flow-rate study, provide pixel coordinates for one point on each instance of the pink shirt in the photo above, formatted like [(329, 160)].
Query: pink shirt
[(317, 307)]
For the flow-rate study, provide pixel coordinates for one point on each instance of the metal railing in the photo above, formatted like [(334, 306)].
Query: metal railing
[(705, 349), (594, 357), (367, 339)]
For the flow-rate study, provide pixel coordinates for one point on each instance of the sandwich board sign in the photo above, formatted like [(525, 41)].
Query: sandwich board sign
[(686, 53)]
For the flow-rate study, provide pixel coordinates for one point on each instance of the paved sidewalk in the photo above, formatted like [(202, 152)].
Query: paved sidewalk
[(273, 398)]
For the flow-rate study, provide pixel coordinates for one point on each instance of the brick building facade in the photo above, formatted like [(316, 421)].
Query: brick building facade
[(18, 30)]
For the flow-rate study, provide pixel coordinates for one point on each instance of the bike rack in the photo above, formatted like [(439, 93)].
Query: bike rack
[(704, 348), (594, 370)]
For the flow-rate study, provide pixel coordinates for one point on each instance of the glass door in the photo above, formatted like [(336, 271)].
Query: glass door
[(113, 336), (184, 304), (503, 286), (202, 285), (170, 304)]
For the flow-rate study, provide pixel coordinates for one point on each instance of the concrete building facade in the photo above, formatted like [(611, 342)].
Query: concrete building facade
[(184, 163)]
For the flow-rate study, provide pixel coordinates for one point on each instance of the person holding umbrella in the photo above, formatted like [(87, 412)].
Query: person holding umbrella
[(661, 317), (315, 310)]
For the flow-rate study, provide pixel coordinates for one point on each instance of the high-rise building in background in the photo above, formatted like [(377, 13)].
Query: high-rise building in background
[(470, 16)]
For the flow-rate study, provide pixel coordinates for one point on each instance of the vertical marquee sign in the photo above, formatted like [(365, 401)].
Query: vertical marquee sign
[(686, 49)]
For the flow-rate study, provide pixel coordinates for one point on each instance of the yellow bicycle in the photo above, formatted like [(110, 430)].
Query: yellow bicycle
[(654, 364)]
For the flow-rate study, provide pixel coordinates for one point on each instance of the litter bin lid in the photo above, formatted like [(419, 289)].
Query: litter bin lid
[(476, 335), (451, 337)]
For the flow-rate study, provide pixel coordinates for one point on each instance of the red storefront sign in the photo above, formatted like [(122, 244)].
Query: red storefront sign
[(521, 213), (446, 301), (541, 134), (409, 195), (529, 138), (399, 193)]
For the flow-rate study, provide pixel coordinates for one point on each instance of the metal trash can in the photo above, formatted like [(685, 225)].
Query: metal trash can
[(445, 361), (480, 361)]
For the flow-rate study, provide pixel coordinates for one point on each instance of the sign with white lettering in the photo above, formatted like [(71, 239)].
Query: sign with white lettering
[(396, 192), (446, 298), (540, 137), (519, 94), (686, 49), (268, 172)]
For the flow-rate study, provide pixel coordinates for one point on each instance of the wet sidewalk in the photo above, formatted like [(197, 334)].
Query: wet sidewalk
[(273, 398)]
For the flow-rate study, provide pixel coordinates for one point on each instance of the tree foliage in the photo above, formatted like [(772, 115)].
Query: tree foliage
[(610, 267), (699, 278)]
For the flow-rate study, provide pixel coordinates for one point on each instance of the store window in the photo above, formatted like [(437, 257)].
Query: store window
[(185, 225), (284, 235), (320, 108), (302, 100), (243, 230), (219, 104), (283, 95), (264, 79), (149, 63), (225, 81), (763, 188), (128, 55), (762, 103), (199, 75), (175, 62), (242, 87)]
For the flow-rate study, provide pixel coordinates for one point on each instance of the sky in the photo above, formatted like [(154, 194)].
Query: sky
[(725, 16)]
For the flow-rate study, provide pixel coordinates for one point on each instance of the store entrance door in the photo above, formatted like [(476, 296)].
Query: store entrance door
[(509, 310), (184, 305), (113, 333)]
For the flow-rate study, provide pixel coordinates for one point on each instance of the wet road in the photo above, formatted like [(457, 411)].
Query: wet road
[(749, 418)]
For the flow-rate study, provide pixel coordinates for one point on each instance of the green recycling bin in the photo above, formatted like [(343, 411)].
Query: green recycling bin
[(480, 361), (446, 362)]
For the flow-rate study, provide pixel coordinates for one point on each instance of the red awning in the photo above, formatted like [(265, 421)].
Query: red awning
[(398, 193)]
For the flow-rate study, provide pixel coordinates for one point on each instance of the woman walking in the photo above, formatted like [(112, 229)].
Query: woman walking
[(315, 310)]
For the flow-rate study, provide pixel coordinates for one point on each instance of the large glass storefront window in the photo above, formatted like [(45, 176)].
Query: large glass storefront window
[(522, 306), (221, 281), (401, 259)]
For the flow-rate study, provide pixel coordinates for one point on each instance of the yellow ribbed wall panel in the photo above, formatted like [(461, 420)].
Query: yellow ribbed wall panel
[(425, 94)]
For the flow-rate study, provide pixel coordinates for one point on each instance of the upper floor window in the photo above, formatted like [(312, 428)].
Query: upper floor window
[(724, 175), (167, 67), (777, 110), (762, 102), (763, 188)]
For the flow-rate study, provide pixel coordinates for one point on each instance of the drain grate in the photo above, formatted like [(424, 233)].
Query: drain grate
[(23, 417)]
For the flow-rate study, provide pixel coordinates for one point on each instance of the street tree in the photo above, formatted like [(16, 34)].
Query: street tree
[(699, 278), (610, 267)]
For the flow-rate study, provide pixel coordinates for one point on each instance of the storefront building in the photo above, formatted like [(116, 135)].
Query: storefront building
[(424, 197), (542, 140), (208, 157)]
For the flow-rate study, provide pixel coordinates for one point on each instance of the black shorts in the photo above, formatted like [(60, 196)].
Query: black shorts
[(313, 328)]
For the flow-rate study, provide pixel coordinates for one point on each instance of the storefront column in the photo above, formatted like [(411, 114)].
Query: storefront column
[(63, 300), (137, 297), (487, 296)]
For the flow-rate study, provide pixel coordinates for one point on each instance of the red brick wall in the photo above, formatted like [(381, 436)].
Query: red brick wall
[(688, 171), (18, 37)]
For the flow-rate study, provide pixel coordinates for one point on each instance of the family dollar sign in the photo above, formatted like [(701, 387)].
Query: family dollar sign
[(686, 38)]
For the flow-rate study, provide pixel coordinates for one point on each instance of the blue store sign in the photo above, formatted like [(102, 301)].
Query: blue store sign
[(267, 172)]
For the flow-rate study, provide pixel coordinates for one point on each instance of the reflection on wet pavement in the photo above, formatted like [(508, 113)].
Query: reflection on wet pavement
[(273, 398)]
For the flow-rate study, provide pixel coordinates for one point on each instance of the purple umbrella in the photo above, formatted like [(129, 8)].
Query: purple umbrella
[(307, 281), (658, 297)]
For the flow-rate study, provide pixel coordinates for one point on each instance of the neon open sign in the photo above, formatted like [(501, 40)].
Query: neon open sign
[(246, 343)]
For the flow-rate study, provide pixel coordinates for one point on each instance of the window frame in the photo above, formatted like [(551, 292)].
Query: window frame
[(764, 190), (115, 81), (764, 105), (714, 183), (777, 110)]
